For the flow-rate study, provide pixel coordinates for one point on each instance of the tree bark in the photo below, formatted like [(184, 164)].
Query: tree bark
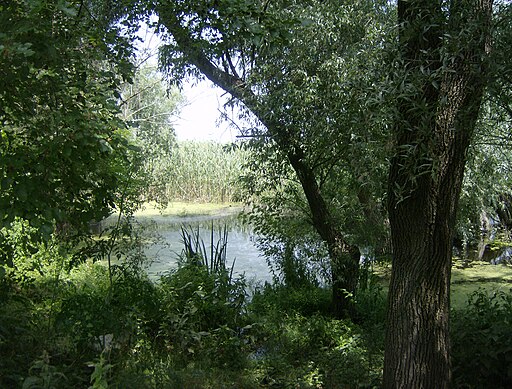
[(433, 130), (344, 258)]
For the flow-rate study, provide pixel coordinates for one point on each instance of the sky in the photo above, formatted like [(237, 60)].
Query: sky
[(199, 119)]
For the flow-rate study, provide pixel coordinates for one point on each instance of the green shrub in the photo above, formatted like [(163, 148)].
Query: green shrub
[(306, 301), (296, 343), (92, 310), (371, 305), (482, 342), (311, 352), (17, 338), (201, 312)]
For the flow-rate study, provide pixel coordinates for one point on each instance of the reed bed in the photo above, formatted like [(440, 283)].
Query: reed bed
[(205, 172)]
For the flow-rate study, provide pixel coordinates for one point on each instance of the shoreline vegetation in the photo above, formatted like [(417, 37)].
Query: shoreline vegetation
[(197, 328), (467, 277)]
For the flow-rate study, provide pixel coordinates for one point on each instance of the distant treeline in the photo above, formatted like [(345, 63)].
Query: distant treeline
[(205, 172)]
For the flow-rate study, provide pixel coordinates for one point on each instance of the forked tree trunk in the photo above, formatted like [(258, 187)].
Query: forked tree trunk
[(433, 130)]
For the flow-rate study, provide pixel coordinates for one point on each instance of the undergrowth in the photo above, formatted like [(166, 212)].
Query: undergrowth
[(197, 327)]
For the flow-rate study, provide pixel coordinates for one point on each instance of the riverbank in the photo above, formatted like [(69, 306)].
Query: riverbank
[(467, 276), (178, 209)]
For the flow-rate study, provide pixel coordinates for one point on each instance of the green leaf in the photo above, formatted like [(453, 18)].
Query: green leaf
[(105, 146), (21, 193), (67, 9), (6, 183)]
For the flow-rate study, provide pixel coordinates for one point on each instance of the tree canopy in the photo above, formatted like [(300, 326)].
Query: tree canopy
[(64, 149)]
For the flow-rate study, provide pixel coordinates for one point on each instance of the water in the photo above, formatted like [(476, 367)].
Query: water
[(165, 249)]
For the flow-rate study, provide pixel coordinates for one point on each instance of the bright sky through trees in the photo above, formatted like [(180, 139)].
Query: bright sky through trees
[(200, 117)]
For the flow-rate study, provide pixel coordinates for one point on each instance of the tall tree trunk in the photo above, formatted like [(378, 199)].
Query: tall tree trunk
[(434, 127)]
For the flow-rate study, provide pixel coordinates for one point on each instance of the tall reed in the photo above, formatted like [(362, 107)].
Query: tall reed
[(205, 172), (195, 252)]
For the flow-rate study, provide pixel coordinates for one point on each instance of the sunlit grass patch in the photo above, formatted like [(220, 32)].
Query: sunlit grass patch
[(461, 292), (478, 275), (464, 281), (482, 272), (180, 209)]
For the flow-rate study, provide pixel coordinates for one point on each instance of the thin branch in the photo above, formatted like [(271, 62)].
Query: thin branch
[(254, 136), (140, 91), (231, 66)]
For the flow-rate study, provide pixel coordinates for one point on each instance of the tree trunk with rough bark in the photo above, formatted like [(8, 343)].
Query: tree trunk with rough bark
[(344, 258), (436, 114)]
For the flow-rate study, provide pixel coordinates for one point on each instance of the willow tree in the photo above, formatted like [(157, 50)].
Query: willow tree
[(442, 76), (284, 62)]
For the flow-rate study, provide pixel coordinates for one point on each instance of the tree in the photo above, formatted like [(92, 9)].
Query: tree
[(484, 207), (64, 152), (271, 57), (149, 109), (442, 76)]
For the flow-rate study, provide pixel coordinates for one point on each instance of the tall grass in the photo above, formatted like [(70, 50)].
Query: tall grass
[(205, 172), (195, 252)]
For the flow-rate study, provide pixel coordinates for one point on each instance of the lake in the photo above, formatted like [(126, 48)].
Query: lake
[(166, 244)]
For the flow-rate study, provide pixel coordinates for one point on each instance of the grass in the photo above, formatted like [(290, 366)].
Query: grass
[(479, 275), (465, 280), (205, 171), (482, 272), (182, 209)]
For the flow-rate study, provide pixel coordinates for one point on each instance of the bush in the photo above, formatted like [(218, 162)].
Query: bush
[(306, 301), (298, 344), (482, 342), (92, 310), (311, 352), (202, 313), (194, 329)]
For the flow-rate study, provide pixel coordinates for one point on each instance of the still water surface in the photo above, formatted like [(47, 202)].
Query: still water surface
[(165, 249)]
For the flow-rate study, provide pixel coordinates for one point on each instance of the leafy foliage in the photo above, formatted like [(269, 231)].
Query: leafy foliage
[(195, 328), (335, 113), (64, 151), (313, 351), (201, 306), (481, 337), (314, 78), (298, 83)]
